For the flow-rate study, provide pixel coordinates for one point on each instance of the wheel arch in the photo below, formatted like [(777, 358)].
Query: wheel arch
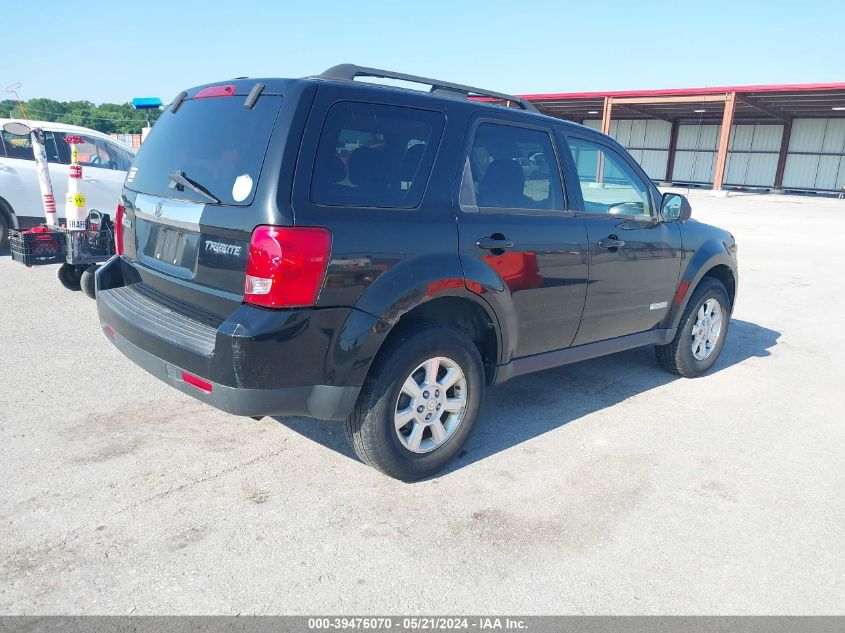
[(9, 213), (720, 266), (724, 274), (462, 313), (454, 306)]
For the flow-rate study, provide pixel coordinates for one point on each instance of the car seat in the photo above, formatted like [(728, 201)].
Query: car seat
[(502, 185), (367, 169)]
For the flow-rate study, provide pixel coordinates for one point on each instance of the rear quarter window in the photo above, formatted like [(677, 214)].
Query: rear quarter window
[(372, 155)]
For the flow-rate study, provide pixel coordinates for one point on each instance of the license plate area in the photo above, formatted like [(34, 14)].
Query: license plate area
[(172, 250), (169, 245)]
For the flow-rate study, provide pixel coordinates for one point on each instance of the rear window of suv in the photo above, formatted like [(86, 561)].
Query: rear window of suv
[(372, 155), (215, 142)]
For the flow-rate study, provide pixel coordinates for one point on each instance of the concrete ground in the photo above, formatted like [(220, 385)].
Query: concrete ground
[(603, 487)]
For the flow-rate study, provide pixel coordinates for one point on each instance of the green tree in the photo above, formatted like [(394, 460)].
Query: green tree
[(108, 118)]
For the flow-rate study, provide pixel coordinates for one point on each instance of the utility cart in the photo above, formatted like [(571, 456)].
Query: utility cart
[(78, 252)]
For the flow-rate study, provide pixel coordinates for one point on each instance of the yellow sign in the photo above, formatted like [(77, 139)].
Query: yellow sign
[(74, 155), (79, 199)]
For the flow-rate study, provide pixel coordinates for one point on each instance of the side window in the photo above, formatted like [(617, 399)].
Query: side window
[(17, 146), (112, 156), (92, 153), (123, 157), (511, 167), (56, 148), (608, 184), (21, 146), (375, 155)]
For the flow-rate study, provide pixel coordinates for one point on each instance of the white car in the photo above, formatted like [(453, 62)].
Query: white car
[(104, 165)]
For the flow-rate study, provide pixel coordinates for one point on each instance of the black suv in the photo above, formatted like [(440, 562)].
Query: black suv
[(351, 251)]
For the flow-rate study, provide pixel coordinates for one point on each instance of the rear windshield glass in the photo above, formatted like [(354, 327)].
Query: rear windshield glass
[(375, 155), (216, 142)]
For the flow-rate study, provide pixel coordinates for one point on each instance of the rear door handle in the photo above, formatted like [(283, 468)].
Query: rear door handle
[(494, 243), (611, 241)]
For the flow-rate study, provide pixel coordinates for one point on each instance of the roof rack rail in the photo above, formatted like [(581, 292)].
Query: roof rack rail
[(348, 72)]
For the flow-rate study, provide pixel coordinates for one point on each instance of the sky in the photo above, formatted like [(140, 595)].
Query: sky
[(114, 51)]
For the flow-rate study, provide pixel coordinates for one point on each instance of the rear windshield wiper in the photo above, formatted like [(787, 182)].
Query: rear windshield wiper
[(180, 180)]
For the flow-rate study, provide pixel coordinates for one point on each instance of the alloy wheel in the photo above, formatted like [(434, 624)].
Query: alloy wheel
[(431, 405), (707, 329)]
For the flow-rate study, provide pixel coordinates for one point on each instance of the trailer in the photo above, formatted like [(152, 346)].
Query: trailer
[(78, 252)]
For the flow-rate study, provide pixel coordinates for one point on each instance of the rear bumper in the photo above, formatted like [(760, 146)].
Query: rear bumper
[(256, 362), (327, 402)]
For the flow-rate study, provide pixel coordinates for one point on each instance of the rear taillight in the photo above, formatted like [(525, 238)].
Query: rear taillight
[(286, 266), (118, 229)]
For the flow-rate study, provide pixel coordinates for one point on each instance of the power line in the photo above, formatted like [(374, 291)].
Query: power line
[(86, 116)]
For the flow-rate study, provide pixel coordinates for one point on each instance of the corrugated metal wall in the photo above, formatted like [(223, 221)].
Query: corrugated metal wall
[(695, 155), (646, 140), (753, 155), (752, 158), (815, 159), (816, 155)]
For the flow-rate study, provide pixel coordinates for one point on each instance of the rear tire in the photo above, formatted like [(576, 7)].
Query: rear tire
[(87, 282), (70, 276), (440, 412), (697, 344)]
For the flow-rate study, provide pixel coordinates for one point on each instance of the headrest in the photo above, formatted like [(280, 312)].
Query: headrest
[(367, 168), (411, 162)]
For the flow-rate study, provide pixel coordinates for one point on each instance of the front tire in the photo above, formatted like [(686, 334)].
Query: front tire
[(419, 402), (701, 333)]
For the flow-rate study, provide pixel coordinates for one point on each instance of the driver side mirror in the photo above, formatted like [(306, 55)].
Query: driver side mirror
[(674, 206)]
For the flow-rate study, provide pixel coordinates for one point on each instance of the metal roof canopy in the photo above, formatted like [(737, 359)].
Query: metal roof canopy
[(728, 105), (777, 103)]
